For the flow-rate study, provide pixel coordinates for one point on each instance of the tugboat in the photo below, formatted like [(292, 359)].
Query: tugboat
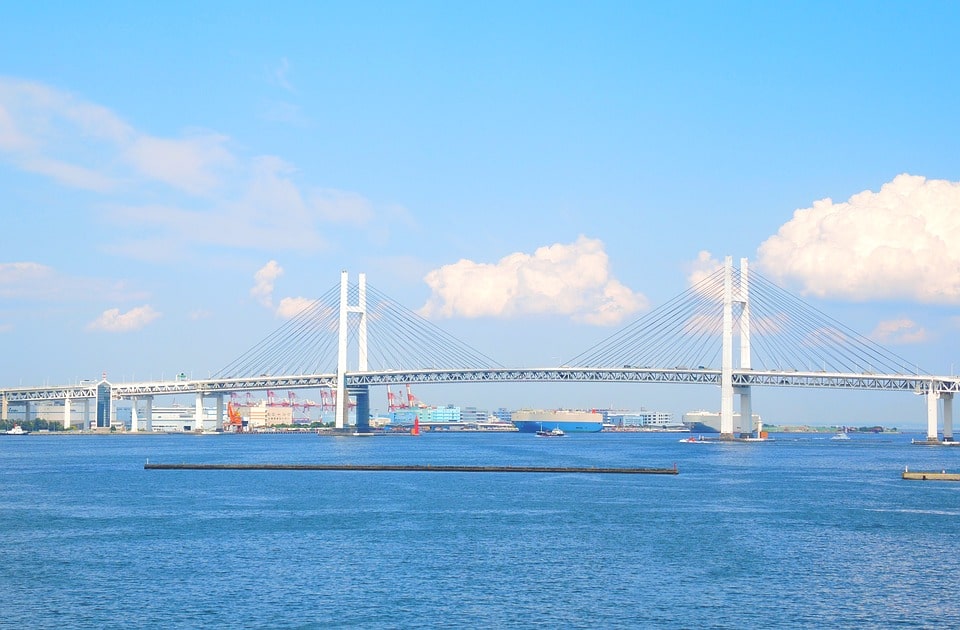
[(17, 430), (554, 432)]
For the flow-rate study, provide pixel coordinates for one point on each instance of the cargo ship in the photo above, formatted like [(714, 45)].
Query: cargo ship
[(533, 420)]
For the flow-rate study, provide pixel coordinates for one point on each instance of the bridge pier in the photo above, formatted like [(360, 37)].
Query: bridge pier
[(134, 421), (362, 395), (148, 414), (66, 413), (219, 421), (746, 411), (932, 397), (198, 413), (947, 416)]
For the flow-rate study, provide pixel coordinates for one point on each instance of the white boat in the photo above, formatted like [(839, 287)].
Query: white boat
[(841, 435), (17, 430), (554, 432)]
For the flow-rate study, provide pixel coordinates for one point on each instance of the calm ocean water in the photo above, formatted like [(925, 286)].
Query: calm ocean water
[(800, 532)]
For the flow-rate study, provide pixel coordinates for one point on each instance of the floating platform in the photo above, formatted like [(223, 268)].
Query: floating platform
[(418, 468), (930, 475), (936, 442)]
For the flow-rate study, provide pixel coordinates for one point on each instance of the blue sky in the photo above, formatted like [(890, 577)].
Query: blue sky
[(159, 163)]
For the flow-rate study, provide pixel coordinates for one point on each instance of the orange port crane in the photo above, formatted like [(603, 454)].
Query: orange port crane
[(234, 418)]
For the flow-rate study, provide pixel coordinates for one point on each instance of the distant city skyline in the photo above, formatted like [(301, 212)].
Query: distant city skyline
[(179, 180)]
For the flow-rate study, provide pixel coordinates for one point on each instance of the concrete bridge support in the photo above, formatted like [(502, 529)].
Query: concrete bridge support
[(198, 413), (66, 413), (932, 397), (219, 425), (148, 414), (362, 395), (947, 417), (746, 410)]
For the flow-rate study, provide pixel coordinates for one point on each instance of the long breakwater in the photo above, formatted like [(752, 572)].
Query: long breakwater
[(418, 468)]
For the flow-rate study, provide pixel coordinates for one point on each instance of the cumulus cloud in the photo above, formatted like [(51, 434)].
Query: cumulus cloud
[(899, 331), (898, 243), (113, 320), (703, 267), (263, 282), (567, 279), (291, 306)]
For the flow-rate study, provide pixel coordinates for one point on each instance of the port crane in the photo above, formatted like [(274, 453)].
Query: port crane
[(234, 419)]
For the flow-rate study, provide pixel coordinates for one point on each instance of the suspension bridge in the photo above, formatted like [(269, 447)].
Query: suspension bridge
[(734, 329)]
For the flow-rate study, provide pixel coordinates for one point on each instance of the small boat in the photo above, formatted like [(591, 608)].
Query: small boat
[(17, 430), (693, 440), (554, 432), (841, 435)]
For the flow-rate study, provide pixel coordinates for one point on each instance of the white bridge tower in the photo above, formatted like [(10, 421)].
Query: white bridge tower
[(735, 295), (343, 406)]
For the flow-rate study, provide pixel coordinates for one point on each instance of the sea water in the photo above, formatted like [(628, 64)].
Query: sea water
[(800, 532)]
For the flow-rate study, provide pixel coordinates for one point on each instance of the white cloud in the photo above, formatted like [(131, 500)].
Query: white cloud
[(899, 331), (898, 243), (11, 138), (258, 204), (51, 132), (19, 274), (113, 320), (566, 279), (69, 174), (264, 280), (704, 266), (290, 307), (188, 164), (35, 281)]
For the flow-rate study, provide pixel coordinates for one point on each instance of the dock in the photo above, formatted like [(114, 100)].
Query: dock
[(930, 475), (419, 468)]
